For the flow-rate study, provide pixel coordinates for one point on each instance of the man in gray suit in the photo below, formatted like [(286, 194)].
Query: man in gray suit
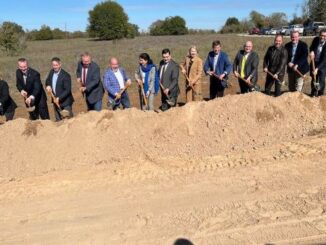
[(245, 68), (169, 75), (88, 75)]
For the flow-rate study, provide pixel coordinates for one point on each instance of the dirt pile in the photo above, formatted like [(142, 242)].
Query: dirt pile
[(233, 124)]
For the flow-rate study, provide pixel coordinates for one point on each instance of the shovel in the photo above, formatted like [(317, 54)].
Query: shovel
[(316, 84), (143, 93), (167, 96), (28, 108), (63, 113), (279, 81)]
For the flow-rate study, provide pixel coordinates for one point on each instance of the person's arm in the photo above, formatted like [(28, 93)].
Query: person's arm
[(206, 65), (78, 71), (151, 79), (266, 59), (174, 76), (19, 85), (66, 87), (37, 85), (236, 62), (302, 58), (4, 96), (227, 65), (108, 85), (255, 63), (94, 78), (282, 63), (199, 70)]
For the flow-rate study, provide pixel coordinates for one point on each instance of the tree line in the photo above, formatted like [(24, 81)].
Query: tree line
[(312, 10)]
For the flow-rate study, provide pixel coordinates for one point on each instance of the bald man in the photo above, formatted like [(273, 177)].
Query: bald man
[(245, 68), (115, 83)]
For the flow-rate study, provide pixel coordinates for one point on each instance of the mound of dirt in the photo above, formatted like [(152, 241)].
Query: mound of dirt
[(224, 126)]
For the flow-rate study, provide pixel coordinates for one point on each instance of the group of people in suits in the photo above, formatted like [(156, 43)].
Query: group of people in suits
[(291, 57)]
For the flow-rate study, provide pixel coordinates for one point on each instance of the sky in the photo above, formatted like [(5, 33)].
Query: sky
[(72, 15)]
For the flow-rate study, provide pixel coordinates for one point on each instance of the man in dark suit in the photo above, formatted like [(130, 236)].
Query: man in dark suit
[(275, 61), (297, 61), (7, 105), (59, 83), (88, 75), (245, 66), (318, 54), (218, 67), (169, 75), (28, 83)]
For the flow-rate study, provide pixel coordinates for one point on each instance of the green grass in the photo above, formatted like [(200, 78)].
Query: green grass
[(39, 54)]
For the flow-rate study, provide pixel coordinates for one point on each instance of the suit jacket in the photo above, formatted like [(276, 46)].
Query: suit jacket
[(196, 69), (170, 78), (62, 88), (251, 66), (8, 104), (94, 88), (321, 64), (111, 83), (33, 85), (300, 56), (223, 64), (275, 60)]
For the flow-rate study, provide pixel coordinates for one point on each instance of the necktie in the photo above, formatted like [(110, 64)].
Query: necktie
[(164, 66), (243, 64), (84, 75)]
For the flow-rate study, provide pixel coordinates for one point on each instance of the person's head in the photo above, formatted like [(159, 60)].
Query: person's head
[(295, 36), (166, 55), (86, 59), (114, 63), (248, 46), (23, 65), (144, 59), (322, 35), (216, 46), (193, 51), (278, 41), (56, 64)]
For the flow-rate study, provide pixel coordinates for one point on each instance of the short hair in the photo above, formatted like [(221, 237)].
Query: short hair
[(278, 35), (321, 31), (294, 31), (145, 56), (216, 43), (56, 59), (85, 54), (166, 51), (22, 59)]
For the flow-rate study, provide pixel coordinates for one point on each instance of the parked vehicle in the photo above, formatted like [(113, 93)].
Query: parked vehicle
[(313, 28), (254, 31), (272, 31), (296, 27), (283, 29), (264, 31)]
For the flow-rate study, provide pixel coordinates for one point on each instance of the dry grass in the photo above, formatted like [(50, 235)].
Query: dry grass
[(39, 54)]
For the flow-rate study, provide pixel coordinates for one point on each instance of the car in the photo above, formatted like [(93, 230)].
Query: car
[(254, 31), (313, 28), (283, 30), (272, 31), (264, 31), (296, 27)]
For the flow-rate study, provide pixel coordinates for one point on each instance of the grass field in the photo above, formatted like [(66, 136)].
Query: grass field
[(39, 54)]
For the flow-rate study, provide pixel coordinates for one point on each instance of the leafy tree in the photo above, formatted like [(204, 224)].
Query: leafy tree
[(257, 19), (277, 19), (232, 21), (12, 38), (58, 34), (170, 26), (45, 33), (108, 21), (315, 10)]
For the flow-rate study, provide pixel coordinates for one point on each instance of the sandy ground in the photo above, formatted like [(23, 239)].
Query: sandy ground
[(245, 169)]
